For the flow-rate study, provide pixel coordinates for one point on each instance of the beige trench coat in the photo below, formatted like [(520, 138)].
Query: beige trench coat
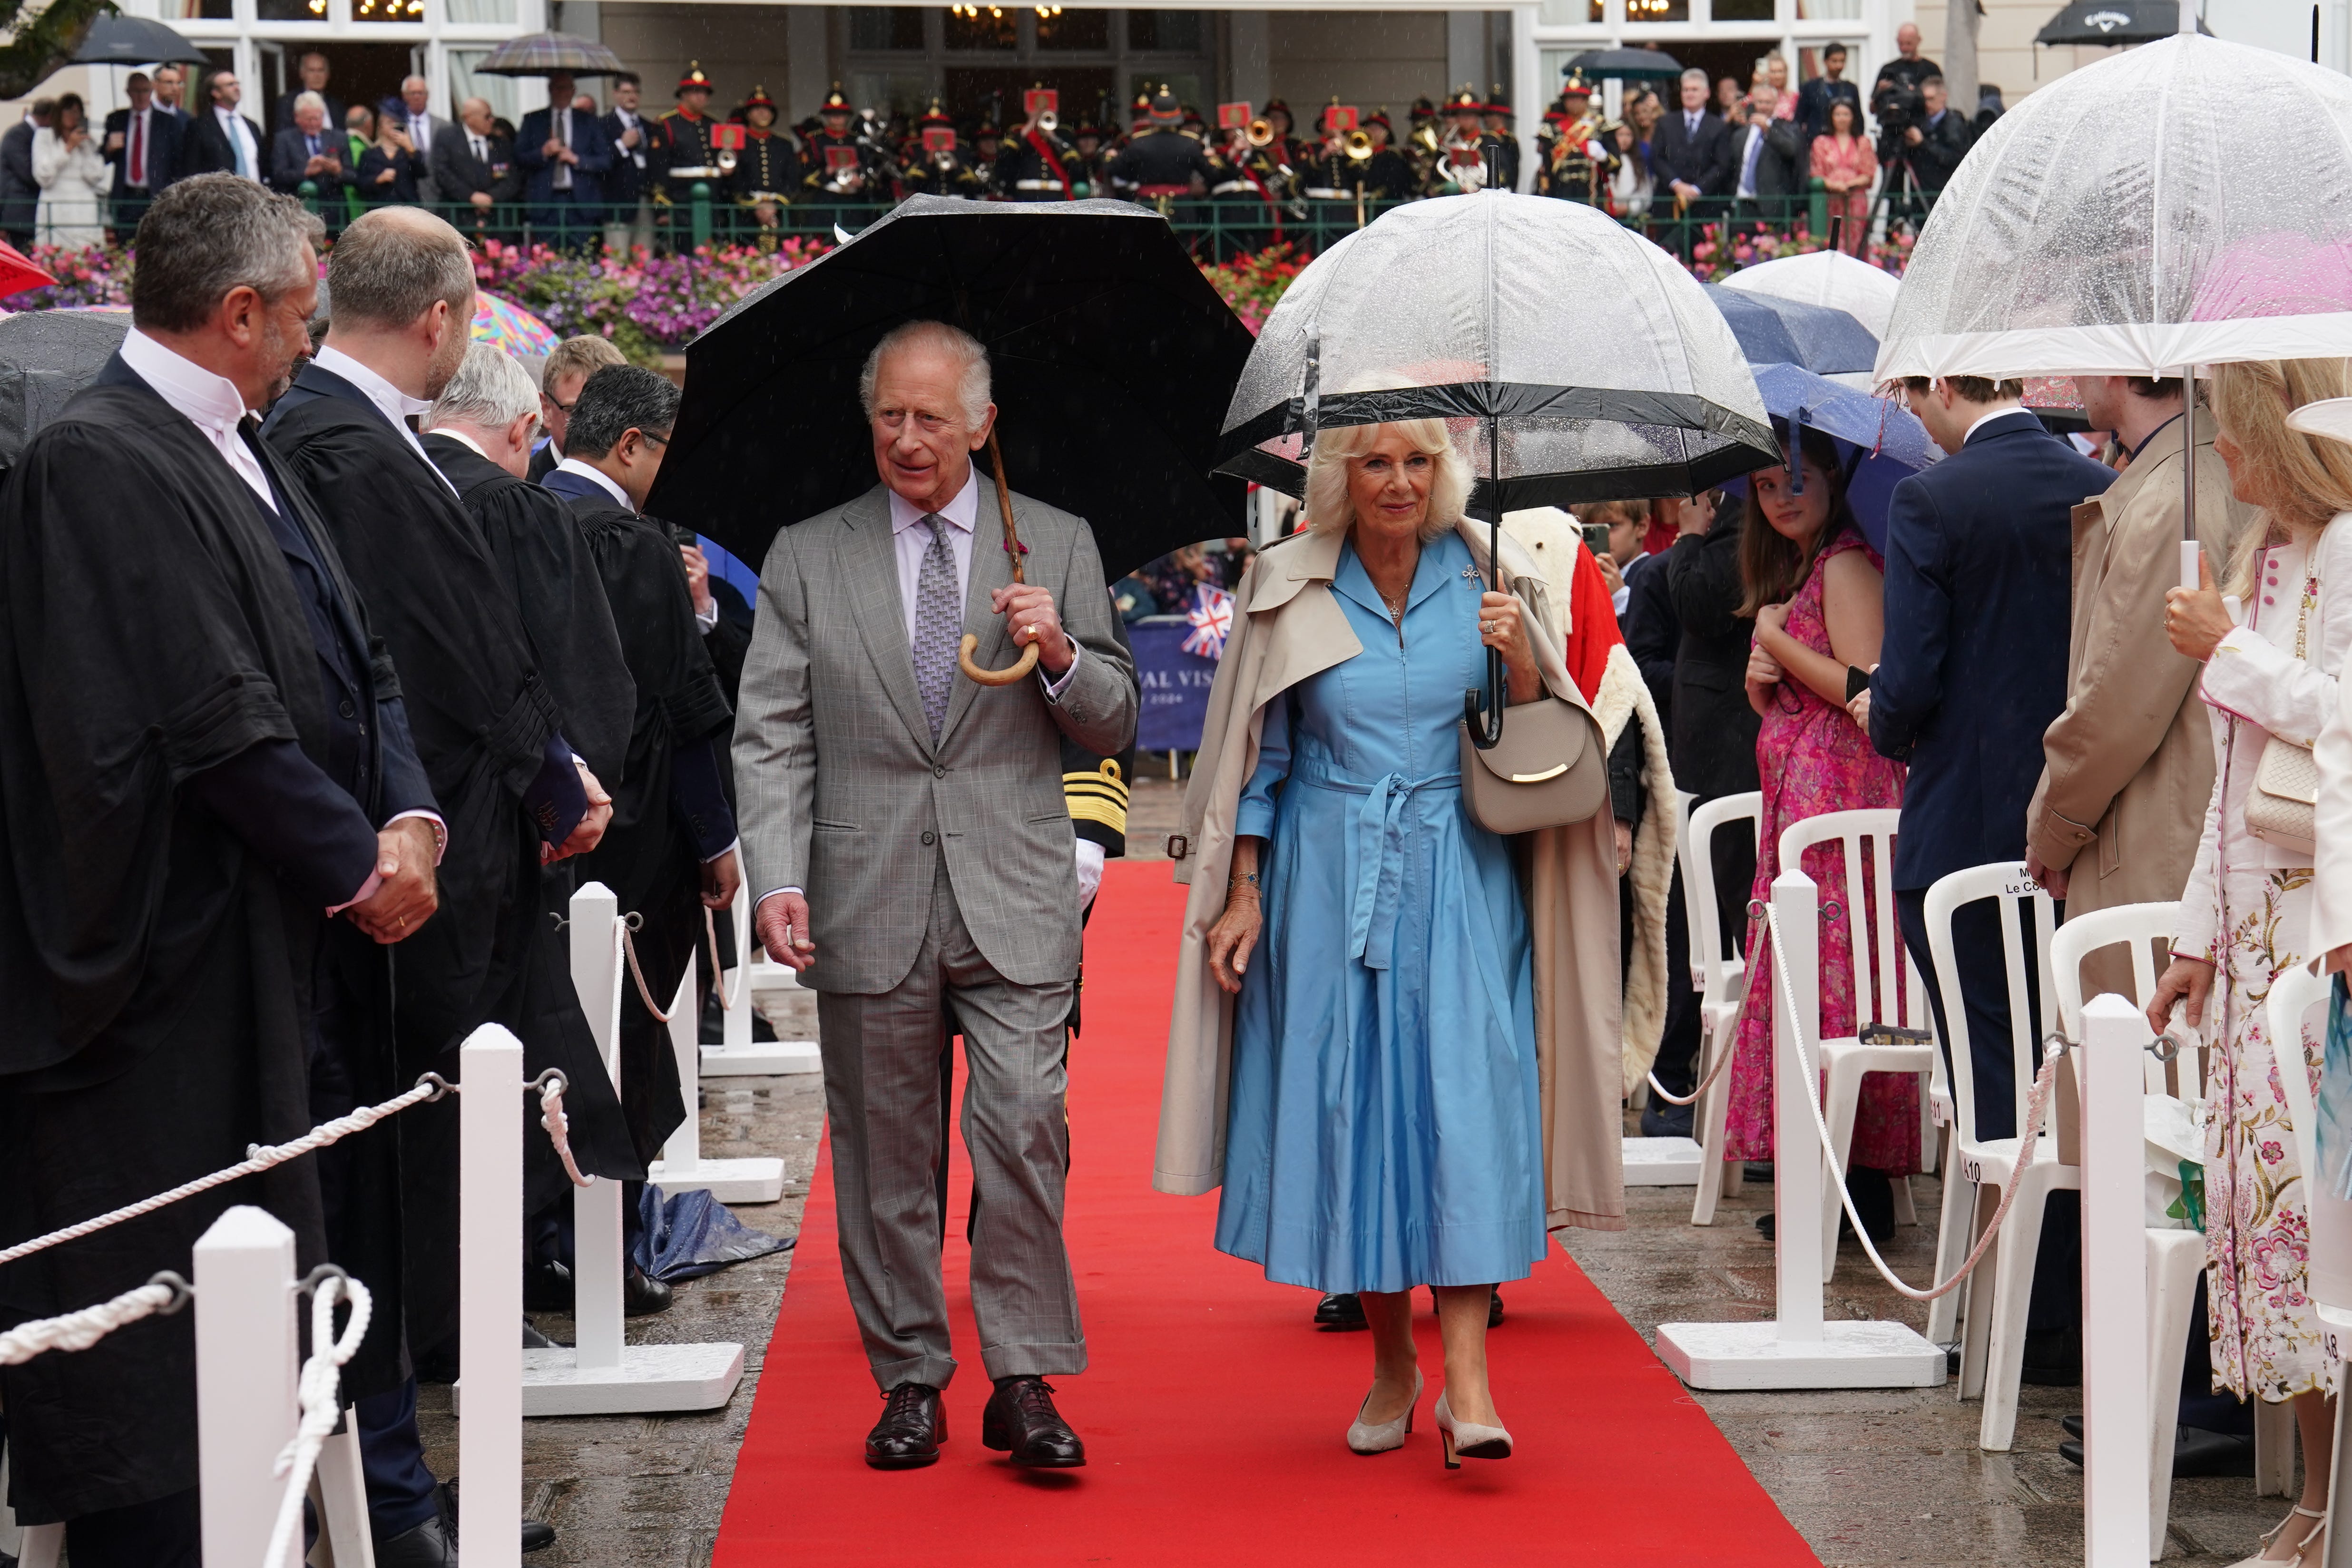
[(1287, 627), (2128, 765)]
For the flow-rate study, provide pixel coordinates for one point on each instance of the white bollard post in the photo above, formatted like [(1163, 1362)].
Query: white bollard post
[(597, 1265), (1799, 1349), (490, 1300), (245, 1352), (1797, 1173), (2116, 1450), (738, 1054), (682, 1151)]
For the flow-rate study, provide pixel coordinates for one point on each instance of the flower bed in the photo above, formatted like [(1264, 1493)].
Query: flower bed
[(650, 305)]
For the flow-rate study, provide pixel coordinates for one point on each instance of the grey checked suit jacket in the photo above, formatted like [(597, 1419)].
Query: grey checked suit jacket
[(842, 792)]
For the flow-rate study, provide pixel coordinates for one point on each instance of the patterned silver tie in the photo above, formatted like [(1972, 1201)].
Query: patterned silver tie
[(938, 624)]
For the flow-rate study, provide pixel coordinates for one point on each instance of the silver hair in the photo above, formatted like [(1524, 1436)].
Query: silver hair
[(1696, 75), (303, 101), (973, 386), (490, 391), (393, 263), (205, 237)]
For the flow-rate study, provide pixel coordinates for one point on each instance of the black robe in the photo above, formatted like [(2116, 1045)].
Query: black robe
[(484, 720), (648, 855), (155, 977)]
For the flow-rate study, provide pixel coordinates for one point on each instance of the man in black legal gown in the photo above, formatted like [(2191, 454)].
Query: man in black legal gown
[(212, 823), (671, 850), (488, 727)]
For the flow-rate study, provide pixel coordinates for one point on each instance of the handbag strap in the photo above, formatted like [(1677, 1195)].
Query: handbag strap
[(2309, 601)]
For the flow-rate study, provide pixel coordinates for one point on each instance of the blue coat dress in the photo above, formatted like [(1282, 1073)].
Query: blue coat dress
[(1383, 1116)]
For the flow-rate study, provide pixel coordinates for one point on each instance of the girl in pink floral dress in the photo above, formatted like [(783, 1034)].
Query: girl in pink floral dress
[(1813, 586)]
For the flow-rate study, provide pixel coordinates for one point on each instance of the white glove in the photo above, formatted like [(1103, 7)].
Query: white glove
[(1090, 870)]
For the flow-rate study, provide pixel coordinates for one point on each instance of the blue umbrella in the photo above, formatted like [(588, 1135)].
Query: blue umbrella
[(1882, 441), (1773, 331)]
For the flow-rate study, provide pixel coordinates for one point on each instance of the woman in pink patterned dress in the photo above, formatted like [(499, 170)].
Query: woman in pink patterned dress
[(1813, 586)]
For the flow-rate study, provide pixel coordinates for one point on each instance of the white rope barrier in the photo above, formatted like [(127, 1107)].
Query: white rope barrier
[(166, 1293), (320, 1395), (1721, 1062), (629, 946), (2030, 1136), (551, 1085), (257, 1160)]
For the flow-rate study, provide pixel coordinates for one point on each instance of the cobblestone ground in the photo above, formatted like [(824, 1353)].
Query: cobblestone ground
[(1868, 1478)]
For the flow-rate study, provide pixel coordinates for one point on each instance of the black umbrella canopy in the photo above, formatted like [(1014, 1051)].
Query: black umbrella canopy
[(1111, 357), (47, 356), (134, 41), (2114, 22), (1626, 65)]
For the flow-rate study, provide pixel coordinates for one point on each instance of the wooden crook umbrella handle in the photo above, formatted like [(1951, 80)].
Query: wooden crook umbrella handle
[(1020, 667)]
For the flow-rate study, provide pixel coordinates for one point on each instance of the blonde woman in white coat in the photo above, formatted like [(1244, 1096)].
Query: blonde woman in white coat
[(74, 177), (2246, 913)]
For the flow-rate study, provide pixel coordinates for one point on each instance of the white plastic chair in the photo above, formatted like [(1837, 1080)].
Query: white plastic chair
[(1721, 981), (2146, 929), (1992, 1348), (1878, 958)]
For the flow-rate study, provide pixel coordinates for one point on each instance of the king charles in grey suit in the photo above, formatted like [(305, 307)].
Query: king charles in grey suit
[(907, 832)]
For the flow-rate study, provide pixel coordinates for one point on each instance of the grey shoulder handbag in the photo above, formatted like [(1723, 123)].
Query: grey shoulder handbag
[(1549, 769)]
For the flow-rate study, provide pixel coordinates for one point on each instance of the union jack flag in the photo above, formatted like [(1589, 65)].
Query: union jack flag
[(1212, 618)]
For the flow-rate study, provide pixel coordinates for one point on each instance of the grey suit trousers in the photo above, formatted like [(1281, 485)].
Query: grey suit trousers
[(884, 1095)]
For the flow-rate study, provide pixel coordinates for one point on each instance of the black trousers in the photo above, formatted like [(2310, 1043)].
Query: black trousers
[(166, 1533), (1678, 1065)]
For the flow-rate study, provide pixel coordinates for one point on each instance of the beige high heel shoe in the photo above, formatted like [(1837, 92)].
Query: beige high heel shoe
[(1366, 1438), (2258, 1560), (1467, 1439)]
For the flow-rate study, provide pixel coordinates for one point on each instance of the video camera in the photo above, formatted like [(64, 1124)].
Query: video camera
[(1897, 106)]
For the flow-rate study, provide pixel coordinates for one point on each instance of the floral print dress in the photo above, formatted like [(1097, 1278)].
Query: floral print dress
[(2247, 908), (1812, 758)]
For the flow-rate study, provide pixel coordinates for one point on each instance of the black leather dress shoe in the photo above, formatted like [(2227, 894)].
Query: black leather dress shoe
[(2195, 1451), (642, 1295), (1342, 1310), (913, 1425), (536, 1536), (430, 1545), (546, 1288), (1021, 1420), (1495, 1309)]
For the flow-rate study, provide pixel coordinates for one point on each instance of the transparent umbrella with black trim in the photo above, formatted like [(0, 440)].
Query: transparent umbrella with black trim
[(1572, 360)]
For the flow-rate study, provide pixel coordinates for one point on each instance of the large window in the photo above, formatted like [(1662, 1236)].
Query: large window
[(979, 59), (885, 27), (466, 82)]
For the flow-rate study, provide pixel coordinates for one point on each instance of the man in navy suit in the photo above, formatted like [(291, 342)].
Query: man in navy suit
[(565, 156), (143, 142), (1978, 591), (1691, 152)]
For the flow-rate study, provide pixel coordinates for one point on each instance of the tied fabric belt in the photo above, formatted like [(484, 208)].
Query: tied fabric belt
[(1380, 854)]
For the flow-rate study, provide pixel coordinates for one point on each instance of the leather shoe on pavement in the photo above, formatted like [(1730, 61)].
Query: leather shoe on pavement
[(429, 1545), (1342, 1310), (2195, 1451), (642, 1295), (1021, 1420), (913, 1425)]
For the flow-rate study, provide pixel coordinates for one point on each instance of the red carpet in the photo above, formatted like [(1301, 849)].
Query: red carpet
[(1214, 1413)]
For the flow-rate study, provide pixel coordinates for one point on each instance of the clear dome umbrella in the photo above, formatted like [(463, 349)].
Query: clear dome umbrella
[(1572, 360), (2136, 218)]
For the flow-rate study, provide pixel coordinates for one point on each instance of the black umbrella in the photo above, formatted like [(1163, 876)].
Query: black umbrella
[(1112, 357), (135, 41), (2114, 22), (1626, 65), (47, 356)]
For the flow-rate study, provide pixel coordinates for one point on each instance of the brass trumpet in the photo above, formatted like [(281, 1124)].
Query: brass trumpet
[(1359, 146), (1260, 133), (1047, 122)]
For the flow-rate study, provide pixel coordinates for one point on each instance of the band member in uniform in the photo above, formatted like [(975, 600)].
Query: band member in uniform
[(766, 171), (942, 170), (1497, 116), (1162, 162), (1087, 160), (680, 154), (1571, 156), (1036, 163), (1389, 177), (1460, 166), (1255, 182), (842, 166), (1286, 147)]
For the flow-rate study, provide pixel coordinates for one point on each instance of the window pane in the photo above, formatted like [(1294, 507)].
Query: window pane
[(387, 10), (294, 10), (1657, 11), (1073, 29), (980, 27), (1175, 32), (484, 13), (885, 27), (1743, 10), (498, 92)]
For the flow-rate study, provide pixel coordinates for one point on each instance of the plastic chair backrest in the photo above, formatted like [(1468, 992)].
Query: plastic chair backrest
[(1708, 961), (2293, 996), (2008, 883), (1684, 802), (1878, 955), (2141, 927)]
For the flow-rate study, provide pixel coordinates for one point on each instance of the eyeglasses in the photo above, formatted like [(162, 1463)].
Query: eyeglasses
[(559, 407), (657, 440)]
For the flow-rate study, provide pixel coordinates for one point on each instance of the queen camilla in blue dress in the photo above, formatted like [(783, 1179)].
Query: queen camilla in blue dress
[(1386, 1119)]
